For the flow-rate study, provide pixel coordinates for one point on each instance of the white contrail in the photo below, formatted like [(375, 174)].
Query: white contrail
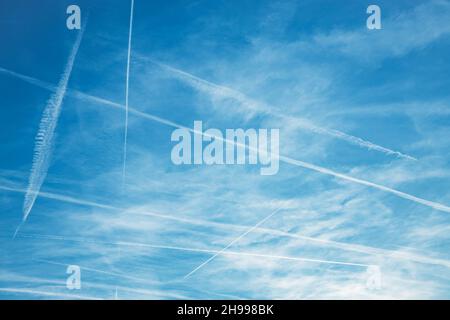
[(232, 242), (127, 84), (145, 245), (86, 285), (126, 94), (298, 163), (389, 254), (45, 135), (48, 293), (307, 165), (31, 80), (222, 91), (61, 198), (114, 274), (89, 285)]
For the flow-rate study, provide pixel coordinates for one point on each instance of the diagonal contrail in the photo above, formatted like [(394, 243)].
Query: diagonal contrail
[(114, 274), (390, 254), (188, 249), (48, 293), (285, 159), (126, 94), (216, 90), (45, 135), (62, 284), (232, 242)]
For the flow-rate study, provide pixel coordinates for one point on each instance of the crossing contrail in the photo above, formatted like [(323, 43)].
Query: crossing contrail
[(126, 94), (221, 91), (45, 136), (188, 249), (390, 254), (232, 242), (285, 159)]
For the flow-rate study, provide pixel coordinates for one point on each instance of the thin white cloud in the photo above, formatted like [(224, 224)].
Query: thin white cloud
[(285, 159), (188, 249), (48, 293), (127, 93), (220, 91), (233, 242), (428, 22), (388, 254), (114, 274), (45, 135)]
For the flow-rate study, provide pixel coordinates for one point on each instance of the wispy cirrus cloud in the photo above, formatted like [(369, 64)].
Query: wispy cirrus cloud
[(257, 107), (427, 22), (282, 158), (173, 218)]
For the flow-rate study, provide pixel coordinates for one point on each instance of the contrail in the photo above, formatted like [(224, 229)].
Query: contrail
[(307, 165), (284, 159), (127, 85), (226, 92), (114, 274), (61, 198), (89, 285), (58, 284), (226, 226), (45, 135), (176, 248), (232, 242), (126, 94), (48, 293)]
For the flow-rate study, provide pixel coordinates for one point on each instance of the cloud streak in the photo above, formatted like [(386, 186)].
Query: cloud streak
[(233, 242), (285, 159), (427, 22), (388, 254), (45, 135), (188, 249), (220, 91), (127, 93), (48, 293)]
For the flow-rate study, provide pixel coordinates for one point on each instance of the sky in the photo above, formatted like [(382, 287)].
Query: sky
[(359, 208)]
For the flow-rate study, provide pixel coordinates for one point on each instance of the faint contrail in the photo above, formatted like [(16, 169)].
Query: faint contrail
[(62, 198), (126, 94), (48, 293), (298, 163), (232, 242), (222, 91), (145, 245), (62, 284), (226, 226), (45, 135), (114, 274)]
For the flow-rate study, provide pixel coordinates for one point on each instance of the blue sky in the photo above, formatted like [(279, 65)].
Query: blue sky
[(371, 105)]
